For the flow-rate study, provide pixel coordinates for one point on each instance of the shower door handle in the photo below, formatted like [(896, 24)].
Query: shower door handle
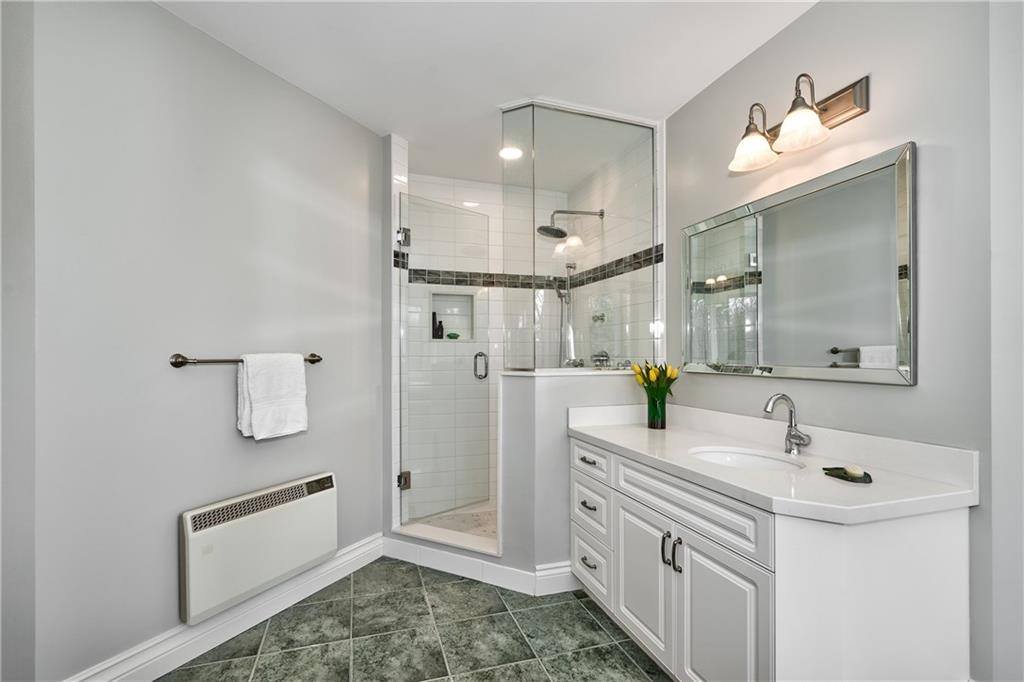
[(487, 363)]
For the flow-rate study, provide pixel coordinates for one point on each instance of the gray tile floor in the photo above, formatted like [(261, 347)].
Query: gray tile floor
[(397, 621)]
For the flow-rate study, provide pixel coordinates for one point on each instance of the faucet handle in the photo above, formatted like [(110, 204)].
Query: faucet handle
[(798, 437)]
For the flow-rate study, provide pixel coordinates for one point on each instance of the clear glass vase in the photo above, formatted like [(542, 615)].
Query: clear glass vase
[(655, 412)]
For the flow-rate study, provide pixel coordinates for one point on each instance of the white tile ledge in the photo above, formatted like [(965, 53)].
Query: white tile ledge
[(567, 371), (909, 477)]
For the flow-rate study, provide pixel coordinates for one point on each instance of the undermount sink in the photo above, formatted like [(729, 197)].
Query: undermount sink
[(741, 458)]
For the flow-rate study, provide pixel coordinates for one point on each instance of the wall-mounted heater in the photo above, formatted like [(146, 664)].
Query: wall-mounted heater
[(233, 549)]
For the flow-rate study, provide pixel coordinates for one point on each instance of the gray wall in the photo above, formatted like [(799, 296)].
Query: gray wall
[(186, 201), (928, 64), (17, 470), (1006, 82)]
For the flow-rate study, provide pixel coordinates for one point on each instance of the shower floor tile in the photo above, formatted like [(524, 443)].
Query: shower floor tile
[(396, 621)]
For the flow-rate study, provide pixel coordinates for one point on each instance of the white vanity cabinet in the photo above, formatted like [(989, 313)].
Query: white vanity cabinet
[(724, 613), (729, 573), (700, 609)]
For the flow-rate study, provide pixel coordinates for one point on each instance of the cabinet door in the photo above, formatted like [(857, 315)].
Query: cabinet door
[(724, 606), (644, 591)]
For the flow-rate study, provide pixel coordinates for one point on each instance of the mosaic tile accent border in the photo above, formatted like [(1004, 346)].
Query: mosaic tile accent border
[(630, 263), (484, 279)]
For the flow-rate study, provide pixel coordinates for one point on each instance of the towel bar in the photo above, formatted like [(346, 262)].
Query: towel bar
[(179, 360)]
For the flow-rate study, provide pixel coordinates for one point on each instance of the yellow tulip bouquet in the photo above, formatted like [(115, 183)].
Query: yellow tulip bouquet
[(657, 381)]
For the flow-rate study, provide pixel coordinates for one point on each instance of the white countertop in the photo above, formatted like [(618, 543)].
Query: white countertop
[(908, 478)]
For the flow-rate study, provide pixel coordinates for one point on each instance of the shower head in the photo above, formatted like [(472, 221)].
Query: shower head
[(555, 232), (551, 231)]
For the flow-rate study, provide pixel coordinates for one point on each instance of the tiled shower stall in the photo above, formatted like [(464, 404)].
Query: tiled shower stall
[(470, 257)]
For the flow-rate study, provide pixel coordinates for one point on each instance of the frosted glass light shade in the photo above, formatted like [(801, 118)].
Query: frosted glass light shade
[(753, 152), (801, 129)]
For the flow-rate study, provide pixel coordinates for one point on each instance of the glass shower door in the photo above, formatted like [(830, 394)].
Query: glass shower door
[(448, 433)]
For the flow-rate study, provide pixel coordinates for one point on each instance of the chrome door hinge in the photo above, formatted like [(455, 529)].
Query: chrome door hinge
[(405, 480)]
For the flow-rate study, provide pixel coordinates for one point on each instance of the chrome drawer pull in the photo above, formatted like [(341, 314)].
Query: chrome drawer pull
[(664, 557), (589, 462), (592, 567), (588, 507), (675, 545)]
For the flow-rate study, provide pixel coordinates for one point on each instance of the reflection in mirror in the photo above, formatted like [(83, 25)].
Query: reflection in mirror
[(723, 299), (814, 282)]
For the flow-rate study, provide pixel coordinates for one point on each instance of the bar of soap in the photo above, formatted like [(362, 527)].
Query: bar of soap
[(854, 471)]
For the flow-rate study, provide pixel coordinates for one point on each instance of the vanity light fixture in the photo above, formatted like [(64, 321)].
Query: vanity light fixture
[(510, 153), (806, 124), (754, 150), (802, 128)]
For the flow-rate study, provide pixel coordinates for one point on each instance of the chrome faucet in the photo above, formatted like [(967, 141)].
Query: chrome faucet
[(795, 438)]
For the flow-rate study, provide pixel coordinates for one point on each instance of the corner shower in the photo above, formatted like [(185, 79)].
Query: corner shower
[(553, 270)]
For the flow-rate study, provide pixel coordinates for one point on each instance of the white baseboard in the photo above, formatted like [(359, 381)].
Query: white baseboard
[(167, 651), (554, 578), (546, 579)]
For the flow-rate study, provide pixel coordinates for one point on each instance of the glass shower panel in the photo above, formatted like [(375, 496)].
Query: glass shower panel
[(517, 238), (447, 415), (585, 235)]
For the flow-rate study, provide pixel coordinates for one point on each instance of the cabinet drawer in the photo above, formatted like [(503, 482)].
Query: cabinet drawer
[(592, 563), (736, 525), (592, 461), (591, 506)]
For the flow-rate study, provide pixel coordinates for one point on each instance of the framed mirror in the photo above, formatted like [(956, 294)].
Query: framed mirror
[(814, 282)]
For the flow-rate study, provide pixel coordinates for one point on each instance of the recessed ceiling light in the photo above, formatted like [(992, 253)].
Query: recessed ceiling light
[(510, 153), (402, 179), (470, 204)]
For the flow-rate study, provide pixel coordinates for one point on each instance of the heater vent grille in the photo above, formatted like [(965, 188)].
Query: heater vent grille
[(252, 505)]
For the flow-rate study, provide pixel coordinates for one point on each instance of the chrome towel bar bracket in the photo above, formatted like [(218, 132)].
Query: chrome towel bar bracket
[(179, 360)]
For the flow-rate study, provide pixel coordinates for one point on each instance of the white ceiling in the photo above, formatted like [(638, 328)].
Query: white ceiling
[(437, 73)]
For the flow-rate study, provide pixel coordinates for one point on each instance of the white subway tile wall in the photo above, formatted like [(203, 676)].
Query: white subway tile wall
[(615, 315)]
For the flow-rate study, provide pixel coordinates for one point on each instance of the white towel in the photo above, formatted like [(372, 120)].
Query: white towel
[(878, 357), (272, 395)]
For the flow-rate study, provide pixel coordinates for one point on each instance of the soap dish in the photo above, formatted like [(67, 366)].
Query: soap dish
[(840, 473)]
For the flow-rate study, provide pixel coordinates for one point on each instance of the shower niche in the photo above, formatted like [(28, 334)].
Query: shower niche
[(579, 239), (451, 316)]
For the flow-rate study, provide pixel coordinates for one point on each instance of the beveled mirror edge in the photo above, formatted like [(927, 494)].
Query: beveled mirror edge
[(904, 375)]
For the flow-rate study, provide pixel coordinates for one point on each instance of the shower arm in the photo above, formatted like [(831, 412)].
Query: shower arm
[(599, 214)]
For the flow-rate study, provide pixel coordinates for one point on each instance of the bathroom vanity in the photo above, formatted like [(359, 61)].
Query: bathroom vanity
[(728, 559)]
